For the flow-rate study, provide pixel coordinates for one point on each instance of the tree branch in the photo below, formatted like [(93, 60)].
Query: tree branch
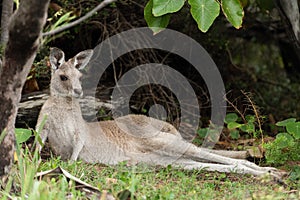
[(76, 22)]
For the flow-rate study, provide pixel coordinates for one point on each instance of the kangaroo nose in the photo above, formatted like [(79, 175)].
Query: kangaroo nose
[(78, 91)]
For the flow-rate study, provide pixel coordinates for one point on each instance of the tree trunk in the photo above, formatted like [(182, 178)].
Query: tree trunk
[(24, 32), (7, 10), (291, 10)]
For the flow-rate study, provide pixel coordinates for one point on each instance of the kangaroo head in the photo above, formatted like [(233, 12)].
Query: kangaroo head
[(66, 75)]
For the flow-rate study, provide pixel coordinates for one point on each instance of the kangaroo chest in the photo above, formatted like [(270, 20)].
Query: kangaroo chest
[(65, 128)]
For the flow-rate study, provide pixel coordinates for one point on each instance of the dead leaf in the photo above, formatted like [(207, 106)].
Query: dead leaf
[(90, 190)]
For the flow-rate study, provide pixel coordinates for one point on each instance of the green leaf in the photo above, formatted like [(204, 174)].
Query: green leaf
[(233, 11), (248, 128), (157, 24), (204, 12), (284, 140), (250, 118), (233, 125), (285, 122), (293, 128), (234, 134), (202, 132), (284, 135), (22, 135), (162, 7), (64, 19), (231, 117)]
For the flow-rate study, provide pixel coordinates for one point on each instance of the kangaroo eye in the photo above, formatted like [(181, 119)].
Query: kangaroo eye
[(63, 78)]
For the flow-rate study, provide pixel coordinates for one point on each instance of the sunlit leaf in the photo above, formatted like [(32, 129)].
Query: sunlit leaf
[(64, 19), (233, 125), (22, 135), (162, 7), (204, 12), (293, 128), (285, 122), (157, 24), (233, 11)]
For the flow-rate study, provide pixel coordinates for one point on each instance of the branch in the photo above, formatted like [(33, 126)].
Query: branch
[(76, 22)]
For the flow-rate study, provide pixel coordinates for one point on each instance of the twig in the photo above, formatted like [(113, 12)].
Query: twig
[(256, 112), (76, 22), (236, 109)]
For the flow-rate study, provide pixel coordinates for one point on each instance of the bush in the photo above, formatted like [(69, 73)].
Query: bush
[(286, 145)]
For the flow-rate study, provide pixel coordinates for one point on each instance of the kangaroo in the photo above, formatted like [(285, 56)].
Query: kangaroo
[(132, 138)]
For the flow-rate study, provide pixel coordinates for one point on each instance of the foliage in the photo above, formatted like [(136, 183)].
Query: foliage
[(27, 165), (286, 145), (22, 135), (158, 23), (59, 19), (204, 12), (236, 126), (26, 185)]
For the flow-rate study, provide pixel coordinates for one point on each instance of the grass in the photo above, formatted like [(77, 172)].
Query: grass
[(143, 182)]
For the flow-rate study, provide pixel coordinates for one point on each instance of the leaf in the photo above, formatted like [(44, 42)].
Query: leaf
[(63, 19), (234, 134), (202, 132), (293, 128), (91, 191), (204, 12), (162, 7), (285, 122), (233, 11), (250, 118), (22, 135), (283, 140), (233, 125), (248, 128), (284, 135), (231, 117), (157, 24)]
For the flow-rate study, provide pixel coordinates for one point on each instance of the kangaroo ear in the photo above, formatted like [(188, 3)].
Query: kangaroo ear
[(82, 59), (57, 58)]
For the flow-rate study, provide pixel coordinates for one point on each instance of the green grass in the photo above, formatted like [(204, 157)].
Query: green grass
[(142, 181), (147, 183)]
